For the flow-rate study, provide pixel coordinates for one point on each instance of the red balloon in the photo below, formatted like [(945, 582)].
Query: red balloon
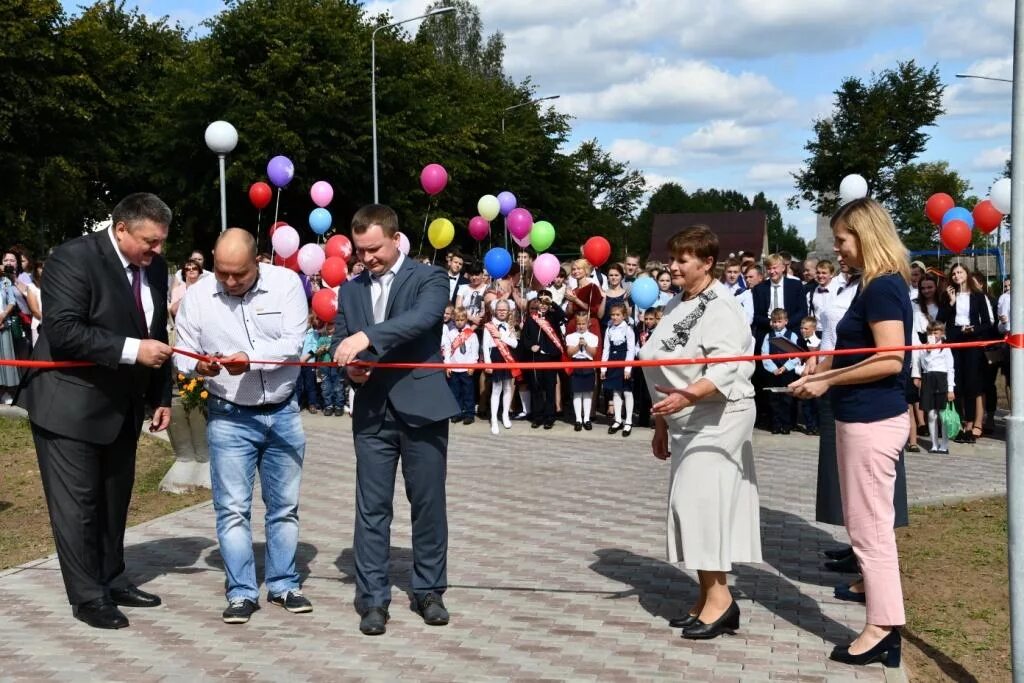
[(937, 206), (986, 217), (290, 262), (334, 271), (339, 245), (260, 194), (325, 304), (597, 250), (956, 235)]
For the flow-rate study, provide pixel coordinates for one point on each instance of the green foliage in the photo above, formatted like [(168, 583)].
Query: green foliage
[(912, 185)]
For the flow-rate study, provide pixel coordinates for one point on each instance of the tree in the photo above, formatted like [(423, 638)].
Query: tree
[(779, 238), (874, 130), (457, 38), (913, 184), (668, 198)]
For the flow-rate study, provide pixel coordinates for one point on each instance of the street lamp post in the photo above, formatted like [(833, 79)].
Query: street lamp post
[(373, 83), (221, 138), (523, 104), (985, 78)]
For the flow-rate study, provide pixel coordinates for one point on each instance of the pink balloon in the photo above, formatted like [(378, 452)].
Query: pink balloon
[(433, 178), (479, 228), (545, 268), (403, 243), (311, 258), (519, 223), (523, 242), (285, 241), (321, 193)]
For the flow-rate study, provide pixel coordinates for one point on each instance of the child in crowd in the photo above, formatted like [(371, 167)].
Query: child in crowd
[(460, 345), (809, 341), (732, 280), (332, 378), (643, 396), (781, 402), (824, 290), (542, 339), (582, 346), (499, 341), (448, 320), (934, 374), (515, 318), (619, 344), (306, 388)]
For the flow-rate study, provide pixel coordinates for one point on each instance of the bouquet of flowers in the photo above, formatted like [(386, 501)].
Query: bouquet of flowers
[(193, 393)]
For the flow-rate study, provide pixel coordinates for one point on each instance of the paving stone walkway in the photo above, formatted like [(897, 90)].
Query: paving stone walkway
[(556, 564)]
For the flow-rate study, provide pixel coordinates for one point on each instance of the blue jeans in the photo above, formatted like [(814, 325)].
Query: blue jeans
[(243, 440), (333, 387), (305, 388)]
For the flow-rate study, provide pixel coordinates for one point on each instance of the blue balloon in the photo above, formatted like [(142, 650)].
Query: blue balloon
[(320, 220), (497, 262), (958, 213), (644, 292)]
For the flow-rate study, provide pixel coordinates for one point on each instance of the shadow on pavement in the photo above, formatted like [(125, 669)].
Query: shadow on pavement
[(151, 559), (303, 557)]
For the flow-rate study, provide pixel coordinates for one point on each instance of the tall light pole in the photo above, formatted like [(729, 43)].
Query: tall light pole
[(221, 138), (373, 83), (524, 104)]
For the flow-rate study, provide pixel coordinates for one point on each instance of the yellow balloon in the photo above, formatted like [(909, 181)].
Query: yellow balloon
[(440, 233)]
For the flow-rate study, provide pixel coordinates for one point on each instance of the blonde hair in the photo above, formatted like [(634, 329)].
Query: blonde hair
[(584, 264), (880, 247)]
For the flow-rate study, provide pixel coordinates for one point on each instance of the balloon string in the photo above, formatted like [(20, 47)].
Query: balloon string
[(423, 235), (259, 215), (277, 206)]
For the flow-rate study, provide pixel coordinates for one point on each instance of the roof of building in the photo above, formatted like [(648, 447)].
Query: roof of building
[(737, 231)]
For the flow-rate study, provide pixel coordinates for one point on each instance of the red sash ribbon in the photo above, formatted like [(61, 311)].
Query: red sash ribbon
[(466, 333), (502, 347)]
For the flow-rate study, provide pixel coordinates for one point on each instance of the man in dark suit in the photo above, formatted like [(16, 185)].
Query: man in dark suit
[(392, 312), (778, 291), (456, 278), (106, 302)]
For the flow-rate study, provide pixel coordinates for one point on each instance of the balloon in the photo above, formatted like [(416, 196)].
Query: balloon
[(321, 193), (956, 235), (519, 222), (260, 194), (440, 233), (958, 213), (644, 291), (597, 250), (280, 170), (403, 243), (433, 178), (334, 271), (506, 202), (521, 242), (497, 262), (285, 241), (320, 220), (852, 187), (325, 304), (545, 268), (339, 245), (292, 262), (488, 207), (275, 226), (479, 228), (311, 258), (1000, 195), (937, 206), (986, 217), (542, 236)]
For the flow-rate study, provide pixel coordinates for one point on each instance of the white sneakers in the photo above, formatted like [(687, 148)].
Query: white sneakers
[(494, 428)]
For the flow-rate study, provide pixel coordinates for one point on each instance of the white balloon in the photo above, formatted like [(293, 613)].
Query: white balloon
[(221, 137), (403, 243), (852, 187), (311, 258), (1000, 195), (285, 241)]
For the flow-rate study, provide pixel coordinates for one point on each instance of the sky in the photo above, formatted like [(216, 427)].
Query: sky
[(725, 93)]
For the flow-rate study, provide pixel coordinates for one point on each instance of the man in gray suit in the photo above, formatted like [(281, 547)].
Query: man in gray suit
[(392, 312)]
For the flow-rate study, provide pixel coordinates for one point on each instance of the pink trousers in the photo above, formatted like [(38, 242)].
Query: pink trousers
[(867, 454)]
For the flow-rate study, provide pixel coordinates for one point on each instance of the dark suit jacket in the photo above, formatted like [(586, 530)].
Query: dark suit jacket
[(984, 326), (794, 300), (462, 280), (89, 313), (410, 333)]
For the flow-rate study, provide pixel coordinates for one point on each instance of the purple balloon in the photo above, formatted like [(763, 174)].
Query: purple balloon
[(507, 202), (280, 170)]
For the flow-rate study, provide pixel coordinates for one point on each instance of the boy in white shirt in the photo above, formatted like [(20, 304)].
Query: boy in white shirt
[(809, 341), (731, 279), (459, 344)]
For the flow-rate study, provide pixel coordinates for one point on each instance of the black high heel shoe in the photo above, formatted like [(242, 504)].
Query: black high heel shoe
[(727, 623), (887, 651), (683, 622), (847, 565), (839, 553)]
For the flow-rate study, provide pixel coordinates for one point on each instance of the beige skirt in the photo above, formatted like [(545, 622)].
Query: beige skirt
[(714, 516)]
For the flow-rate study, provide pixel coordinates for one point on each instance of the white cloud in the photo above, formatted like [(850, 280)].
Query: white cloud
[(991, 159), (985, 131), (641, 154), (723, 137), (772, 174), (967, 28)]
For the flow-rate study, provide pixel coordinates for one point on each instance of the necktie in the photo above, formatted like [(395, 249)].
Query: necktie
[(822, 290), (137, 290), (380, 305), (775, 297)]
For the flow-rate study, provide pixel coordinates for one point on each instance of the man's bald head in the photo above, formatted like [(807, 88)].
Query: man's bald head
[(235, 263)]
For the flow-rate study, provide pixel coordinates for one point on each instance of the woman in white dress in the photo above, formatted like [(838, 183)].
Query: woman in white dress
[(705, 421)]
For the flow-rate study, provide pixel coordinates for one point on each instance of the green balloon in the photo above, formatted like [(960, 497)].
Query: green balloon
[(542, 236)]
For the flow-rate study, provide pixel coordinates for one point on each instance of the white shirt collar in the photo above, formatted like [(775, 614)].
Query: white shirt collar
[(117, 250)]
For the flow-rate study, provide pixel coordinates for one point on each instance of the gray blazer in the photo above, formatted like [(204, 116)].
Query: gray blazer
[(410, 333)]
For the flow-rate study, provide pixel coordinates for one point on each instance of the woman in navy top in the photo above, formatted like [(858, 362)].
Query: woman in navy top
[(867, 393)]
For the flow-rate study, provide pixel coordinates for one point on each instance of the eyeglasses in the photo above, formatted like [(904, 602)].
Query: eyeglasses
[(191, 270)]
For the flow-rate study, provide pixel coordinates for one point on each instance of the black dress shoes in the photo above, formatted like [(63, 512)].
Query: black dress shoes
[(839, 553), (843, 592), (432, 609), (101, 613), (683, 622), (847, 565), (727, 623), (887, 651), (130, 596), (374, 621)]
